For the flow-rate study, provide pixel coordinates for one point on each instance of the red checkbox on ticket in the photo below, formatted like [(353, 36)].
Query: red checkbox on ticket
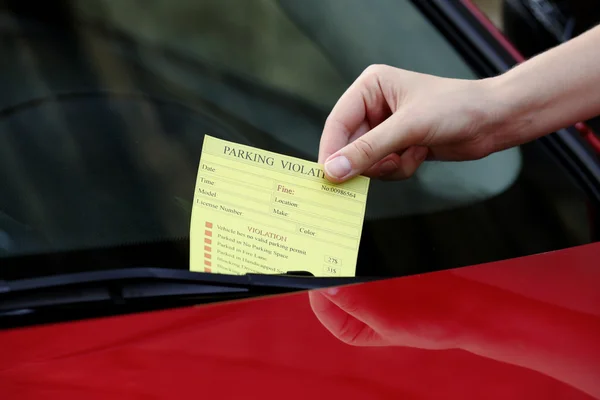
[(321, 228)]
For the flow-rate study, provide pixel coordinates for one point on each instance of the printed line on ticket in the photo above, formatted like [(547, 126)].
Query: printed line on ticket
[(271, 213)]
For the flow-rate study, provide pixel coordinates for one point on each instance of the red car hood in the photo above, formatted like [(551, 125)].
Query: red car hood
[(523, 328)]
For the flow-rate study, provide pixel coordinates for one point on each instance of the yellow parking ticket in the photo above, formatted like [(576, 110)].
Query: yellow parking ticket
[(261, 212)]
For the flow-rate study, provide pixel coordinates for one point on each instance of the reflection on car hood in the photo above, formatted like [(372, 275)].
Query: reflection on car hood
[(523, 328)]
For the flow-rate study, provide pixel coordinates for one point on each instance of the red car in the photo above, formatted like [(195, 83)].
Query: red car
[(474, 280)]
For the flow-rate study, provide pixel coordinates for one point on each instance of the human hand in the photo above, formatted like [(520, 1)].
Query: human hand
[(390, 120)]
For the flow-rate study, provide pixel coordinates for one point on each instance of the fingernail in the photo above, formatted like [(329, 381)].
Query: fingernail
[(332, 291), (387, 168), (338, 167), (421, 153)]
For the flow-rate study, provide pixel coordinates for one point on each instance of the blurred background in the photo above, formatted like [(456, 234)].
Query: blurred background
[(492, 9), (105, 104)]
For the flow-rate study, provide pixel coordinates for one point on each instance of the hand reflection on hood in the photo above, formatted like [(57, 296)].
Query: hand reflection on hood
[(508, 317)]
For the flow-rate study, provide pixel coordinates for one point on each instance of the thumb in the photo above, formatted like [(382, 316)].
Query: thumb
[(364, 152)]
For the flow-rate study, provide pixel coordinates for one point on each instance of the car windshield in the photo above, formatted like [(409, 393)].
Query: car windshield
[(105, 103)]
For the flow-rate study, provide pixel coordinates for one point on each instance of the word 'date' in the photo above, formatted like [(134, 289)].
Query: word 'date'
[(257, 211)]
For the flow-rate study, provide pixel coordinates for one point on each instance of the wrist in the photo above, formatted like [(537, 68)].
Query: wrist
[(511, 109)]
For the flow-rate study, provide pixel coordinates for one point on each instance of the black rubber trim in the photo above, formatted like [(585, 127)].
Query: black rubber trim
[(248, 281)]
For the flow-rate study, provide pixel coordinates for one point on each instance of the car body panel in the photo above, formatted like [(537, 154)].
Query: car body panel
[(521, 328)]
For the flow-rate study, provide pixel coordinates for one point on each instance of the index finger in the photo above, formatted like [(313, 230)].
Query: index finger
[(345, 118), (357, 111)]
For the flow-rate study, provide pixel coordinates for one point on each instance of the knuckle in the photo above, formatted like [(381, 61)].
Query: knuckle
[(427, 138), (374, 70), (480, 147), (348, 330), (363, 148), (333, 124), (403, 172), (408, 171)]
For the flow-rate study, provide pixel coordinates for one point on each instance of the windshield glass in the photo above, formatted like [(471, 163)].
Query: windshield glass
[(105, 104)]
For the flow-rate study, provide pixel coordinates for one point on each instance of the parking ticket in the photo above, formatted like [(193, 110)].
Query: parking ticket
[(257, 211)]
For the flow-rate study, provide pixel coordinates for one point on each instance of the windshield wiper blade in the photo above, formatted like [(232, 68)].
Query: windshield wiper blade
[(109, 292), (290, 281)]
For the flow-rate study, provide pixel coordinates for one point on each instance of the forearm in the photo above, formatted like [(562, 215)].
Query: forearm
[(553, 90)]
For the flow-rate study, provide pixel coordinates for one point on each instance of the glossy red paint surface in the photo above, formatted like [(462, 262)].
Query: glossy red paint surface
[(519, 329)]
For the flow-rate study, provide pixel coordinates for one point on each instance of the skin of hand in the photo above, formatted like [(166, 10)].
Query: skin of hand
[(391, 120)]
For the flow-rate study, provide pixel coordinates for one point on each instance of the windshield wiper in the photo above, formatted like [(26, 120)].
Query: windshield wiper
[(112, 292)]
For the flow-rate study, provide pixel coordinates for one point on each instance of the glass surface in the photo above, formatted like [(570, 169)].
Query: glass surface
[(104, 105)]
